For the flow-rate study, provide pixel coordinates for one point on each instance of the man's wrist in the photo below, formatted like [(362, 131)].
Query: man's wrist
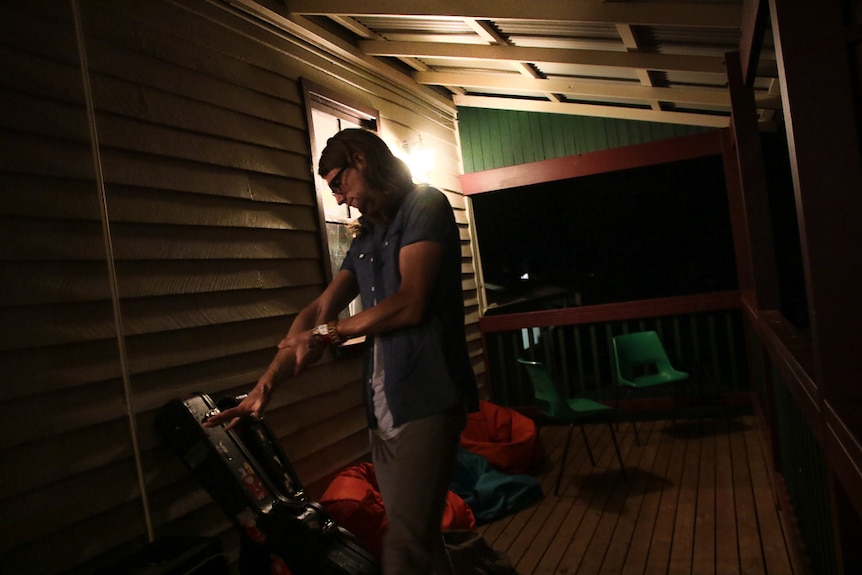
[(327, 333)]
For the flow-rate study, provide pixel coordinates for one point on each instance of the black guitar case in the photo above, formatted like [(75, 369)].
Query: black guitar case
[(247, 474)]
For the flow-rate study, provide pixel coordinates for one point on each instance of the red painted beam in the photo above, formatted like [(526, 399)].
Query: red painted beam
[(636, 156)]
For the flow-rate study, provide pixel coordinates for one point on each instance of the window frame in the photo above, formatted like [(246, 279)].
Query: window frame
[(353, 113)]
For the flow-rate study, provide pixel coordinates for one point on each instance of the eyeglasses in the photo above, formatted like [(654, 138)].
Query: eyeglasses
[(335, 183)]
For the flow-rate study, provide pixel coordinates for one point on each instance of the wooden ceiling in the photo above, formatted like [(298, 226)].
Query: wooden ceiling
[(651, 60)]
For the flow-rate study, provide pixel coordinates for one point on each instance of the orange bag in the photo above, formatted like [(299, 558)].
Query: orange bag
[(353, 501), (503, 436)]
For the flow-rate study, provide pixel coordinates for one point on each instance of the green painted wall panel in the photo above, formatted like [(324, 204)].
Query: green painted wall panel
[(499, 138)]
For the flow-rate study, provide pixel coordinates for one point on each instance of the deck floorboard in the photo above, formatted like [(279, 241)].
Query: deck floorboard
[(698, 500)]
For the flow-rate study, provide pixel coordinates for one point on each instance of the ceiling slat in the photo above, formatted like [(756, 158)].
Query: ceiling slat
[(576, 87), (651, 60), (573, 87), (667, 62), (669, 14)]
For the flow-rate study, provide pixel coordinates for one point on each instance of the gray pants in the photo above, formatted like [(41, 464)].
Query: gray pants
[(414, 471)]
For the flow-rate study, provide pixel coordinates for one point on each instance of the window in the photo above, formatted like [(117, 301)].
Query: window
[(329, 113)]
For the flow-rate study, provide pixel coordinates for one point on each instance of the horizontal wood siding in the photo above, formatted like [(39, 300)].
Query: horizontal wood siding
[(212, 231), (66, 438)]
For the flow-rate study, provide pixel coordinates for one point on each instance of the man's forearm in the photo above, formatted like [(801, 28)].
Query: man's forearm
[(281, 367)]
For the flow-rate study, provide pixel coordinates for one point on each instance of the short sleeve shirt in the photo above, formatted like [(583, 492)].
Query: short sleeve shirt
[(427, 366)]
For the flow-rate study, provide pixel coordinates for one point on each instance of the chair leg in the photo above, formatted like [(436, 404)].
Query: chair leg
[(616, 405), (533, 463), (563, 462), (587, 443), (634, 421), (617, 448)]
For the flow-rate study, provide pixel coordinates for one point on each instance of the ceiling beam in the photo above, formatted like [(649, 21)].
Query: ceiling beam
[(666, 62), (363, 32), (626, 90), (303, 29), (485, 30), (630, 41), (619, 112), (589, 88), (649, 14)]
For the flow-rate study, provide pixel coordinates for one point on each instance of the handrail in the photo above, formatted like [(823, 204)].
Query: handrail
[(791, 353), (613, 311), (704, 331)]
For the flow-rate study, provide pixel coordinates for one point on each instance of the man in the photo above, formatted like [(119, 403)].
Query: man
[(405, 263)]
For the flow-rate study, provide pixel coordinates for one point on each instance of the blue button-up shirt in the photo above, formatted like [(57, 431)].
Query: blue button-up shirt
[(427, 366)]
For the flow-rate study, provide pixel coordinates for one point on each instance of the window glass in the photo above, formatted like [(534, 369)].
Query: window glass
[(328, 114)]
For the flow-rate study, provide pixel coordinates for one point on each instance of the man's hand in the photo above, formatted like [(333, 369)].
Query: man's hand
[(307, 349), (252, 406), (282, 366)]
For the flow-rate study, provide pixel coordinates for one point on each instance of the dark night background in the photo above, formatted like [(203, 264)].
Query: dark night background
[(642, 233)]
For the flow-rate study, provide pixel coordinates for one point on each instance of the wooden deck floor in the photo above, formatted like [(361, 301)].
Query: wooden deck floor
[(698, 500)]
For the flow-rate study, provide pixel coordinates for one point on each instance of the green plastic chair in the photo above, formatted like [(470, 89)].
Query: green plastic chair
[(641, 362), (571, 412)]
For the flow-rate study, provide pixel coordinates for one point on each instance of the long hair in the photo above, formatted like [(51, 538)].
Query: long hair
[(389, 179)]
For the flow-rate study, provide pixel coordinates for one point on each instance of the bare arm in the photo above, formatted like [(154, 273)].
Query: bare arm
[(334, 298), (295, 351), (419, 264)]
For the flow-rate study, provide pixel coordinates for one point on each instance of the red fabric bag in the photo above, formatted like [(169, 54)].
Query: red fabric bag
[(508, 439), (354, 502)]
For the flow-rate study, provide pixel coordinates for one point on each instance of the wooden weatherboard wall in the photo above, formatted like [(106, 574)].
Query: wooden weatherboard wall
[(159, 232), (499, 138)]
